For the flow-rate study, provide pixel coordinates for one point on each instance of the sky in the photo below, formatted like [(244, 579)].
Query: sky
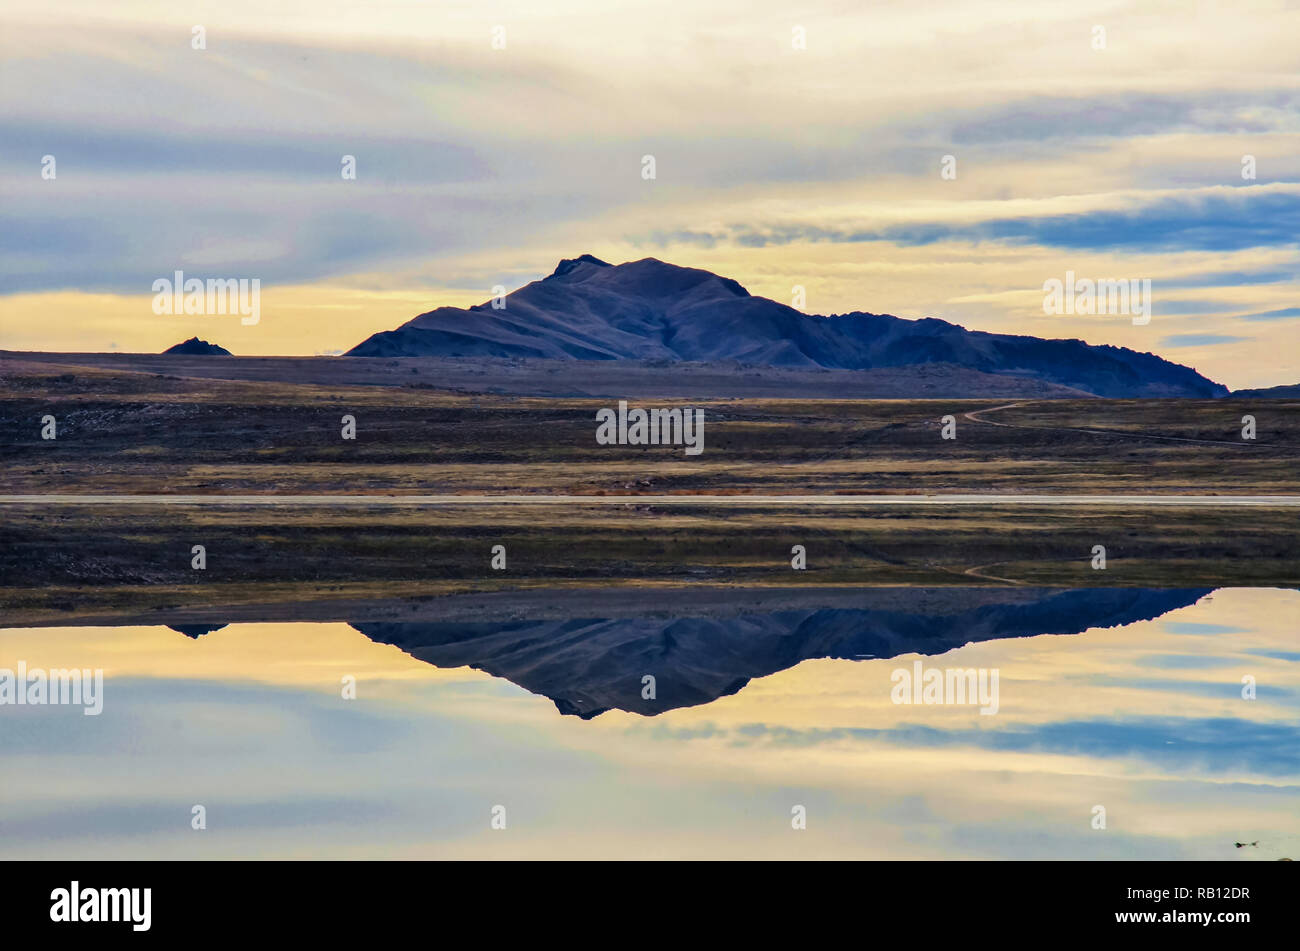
[(794, 145)]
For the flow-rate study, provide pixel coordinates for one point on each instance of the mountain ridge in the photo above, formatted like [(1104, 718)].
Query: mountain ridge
[(1285, 391), (647, 310)]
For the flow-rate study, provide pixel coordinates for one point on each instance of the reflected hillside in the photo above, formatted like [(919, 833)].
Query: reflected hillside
[(590, 662), (195, 631)]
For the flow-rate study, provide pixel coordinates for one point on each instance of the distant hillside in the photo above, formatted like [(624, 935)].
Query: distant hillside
[(651, 311), (200, 348), (1289, 391)]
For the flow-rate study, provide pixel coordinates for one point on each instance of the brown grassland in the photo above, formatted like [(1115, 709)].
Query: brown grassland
[(122, 432)]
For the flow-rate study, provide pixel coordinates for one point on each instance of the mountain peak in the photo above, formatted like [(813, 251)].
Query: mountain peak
[(569, 265), (196, 347), (652, 278)]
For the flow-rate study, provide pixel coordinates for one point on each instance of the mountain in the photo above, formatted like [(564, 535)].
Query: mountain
[(593, 657), (195, 630), (1285, 392), (196, 347), (651, 311)]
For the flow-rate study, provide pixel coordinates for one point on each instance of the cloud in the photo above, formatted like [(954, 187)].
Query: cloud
[(1230, 279), (1200, 629), (1221, 744), (1199, 340), (1280, 314), (1219, 219), (102, 150), (1175, 307), (1125, 114)]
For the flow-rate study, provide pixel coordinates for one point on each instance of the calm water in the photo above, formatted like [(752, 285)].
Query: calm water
[(1127, 700)]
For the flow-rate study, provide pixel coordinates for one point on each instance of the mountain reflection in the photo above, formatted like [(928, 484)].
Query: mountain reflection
[(589, 651), (195, 631)]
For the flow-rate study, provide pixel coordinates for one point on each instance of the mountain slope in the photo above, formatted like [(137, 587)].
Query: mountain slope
[(648, 310)]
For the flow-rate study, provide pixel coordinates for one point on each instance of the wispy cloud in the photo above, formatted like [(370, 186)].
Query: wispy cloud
[(1199, 340), (1282, 313)]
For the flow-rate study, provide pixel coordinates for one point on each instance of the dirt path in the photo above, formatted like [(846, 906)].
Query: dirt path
[(978, 572), (977, 416)]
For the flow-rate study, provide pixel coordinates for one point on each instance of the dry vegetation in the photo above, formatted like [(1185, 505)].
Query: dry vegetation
[(137, 433), (140, 433)]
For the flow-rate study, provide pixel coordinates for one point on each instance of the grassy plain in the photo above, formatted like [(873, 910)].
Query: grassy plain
[(140, 433)]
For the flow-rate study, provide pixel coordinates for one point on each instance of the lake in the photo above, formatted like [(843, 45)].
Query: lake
[(655, 723)]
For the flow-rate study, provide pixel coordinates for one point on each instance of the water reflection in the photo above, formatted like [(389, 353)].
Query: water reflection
[(765, 700), (588, 664), (195, 630)]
